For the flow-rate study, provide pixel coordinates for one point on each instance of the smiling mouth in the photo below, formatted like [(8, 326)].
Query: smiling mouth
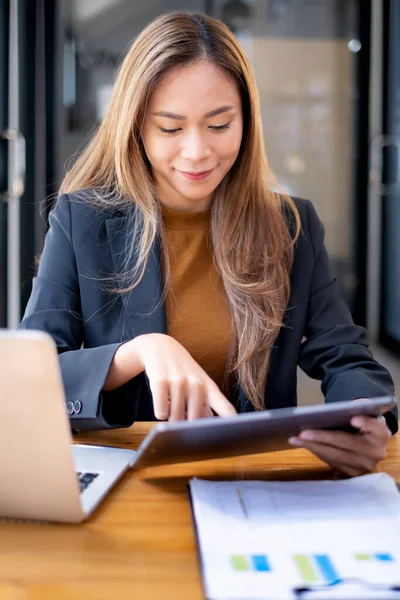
[(196, 172), (196, 175)]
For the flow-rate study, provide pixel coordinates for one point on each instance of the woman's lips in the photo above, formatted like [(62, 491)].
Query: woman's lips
[(196, 176)]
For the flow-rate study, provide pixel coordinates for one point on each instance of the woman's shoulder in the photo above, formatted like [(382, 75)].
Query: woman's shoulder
[(91, 202), (309, 220), (90, 211), (302, 205), (311, 235)]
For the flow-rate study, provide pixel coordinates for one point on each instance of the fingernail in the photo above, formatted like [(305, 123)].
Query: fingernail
[(356, 422), (295, 441), (306, 435)]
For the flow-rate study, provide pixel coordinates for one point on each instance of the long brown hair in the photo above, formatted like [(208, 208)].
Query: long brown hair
[(251, 240)]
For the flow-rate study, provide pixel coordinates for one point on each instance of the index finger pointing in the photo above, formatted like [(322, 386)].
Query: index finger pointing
[(220, 404)]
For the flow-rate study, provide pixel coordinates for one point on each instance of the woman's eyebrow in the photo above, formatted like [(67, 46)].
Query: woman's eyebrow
[(212, 113)]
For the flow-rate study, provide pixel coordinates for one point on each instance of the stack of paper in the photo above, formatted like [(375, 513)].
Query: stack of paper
[(303, 539)]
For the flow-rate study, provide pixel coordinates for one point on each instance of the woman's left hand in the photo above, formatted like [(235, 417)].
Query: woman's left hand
[(352, 454)]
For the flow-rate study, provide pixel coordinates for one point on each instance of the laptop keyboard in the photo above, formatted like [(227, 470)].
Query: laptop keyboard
[(85, 479)]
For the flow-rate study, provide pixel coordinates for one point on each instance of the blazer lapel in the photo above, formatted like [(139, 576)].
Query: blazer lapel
[(144, 307)]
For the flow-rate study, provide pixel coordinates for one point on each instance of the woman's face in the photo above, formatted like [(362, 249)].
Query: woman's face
[(192, 134)]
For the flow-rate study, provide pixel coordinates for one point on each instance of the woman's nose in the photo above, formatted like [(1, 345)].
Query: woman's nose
[(195, 148)]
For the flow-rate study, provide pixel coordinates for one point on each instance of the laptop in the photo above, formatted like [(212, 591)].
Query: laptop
[(44, 476)]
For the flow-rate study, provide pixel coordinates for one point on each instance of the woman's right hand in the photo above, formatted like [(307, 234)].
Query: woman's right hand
[(181, 389)]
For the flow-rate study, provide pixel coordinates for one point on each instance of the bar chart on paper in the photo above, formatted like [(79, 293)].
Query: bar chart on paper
[(266, 539), (317, 568), (312, 568)]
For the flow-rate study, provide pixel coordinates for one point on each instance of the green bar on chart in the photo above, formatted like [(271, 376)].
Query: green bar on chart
[(361, 556), (240, 562), (306, 568)]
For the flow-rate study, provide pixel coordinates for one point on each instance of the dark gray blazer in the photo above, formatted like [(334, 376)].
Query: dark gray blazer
[(71, 301)]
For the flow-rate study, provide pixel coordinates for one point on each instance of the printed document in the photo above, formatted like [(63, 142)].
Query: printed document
[(286, 540)]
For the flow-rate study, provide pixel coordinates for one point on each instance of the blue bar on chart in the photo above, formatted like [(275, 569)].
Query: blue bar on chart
[(384, 557), (260, 563), (326, 567), (254, 562), (317, 568), (381, 556)]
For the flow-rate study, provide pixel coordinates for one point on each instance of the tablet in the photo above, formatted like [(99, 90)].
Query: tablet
[(248, 433)]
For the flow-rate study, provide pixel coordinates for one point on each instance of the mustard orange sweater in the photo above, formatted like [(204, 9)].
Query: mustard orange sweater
[(198, 315)]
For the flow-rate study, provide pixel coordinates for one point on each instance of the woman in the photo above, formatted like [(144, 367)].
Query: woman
[(175, 283)]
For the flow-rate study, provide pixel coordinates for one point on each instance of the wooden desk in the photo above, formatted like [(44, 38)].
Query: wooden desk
[(140, 543)]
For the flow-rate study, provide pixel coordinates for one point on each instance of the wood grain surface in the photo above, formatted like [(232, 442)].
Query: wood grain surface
[(140, 542)]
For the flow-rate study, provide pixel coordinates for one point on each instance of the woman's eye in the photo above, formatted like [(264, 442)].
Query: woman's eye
[(169, 130), (213, 127), (220, 127)]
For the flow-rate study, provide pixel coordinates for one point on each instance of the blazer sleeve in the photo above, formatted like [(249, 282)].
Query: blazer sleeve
[(54, 307), (335, 350)]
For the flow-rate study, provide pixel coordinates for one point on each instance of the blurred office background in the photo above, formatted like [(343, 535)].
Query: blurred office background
[(328, 73)]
